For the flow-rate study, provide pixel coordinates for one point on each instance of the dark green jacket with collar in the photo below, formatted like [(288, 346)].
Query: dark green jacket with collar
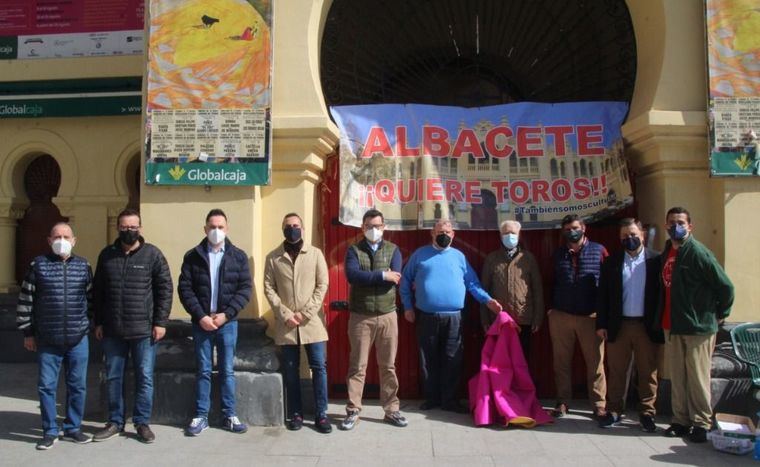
[(701, 293)]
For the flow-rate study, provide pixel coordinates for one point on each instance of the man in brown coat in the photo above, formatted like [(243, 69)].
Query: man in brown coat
[(295, 283), (511, 276)]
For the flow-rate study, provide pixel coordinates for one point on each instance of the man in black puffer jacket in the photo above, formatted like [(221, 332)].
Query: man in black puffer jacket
[(52, 312), (215, 284), (132, 300)]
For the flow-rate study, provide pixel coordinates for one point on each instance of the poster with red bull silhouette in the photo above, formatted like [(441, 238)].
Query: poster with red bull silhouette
[(209, 92), (477, 167), (733, 61)]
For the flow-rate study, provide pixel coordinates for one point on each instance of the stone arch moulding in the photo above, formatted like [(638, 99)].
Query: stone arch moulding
[(649, 27), (130, 150), (26, 145)]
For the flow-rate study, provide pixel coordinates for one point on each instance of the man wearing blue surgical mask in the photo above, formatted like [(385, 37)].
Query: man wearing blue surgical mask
[(572, 315), (511, 275), (697, 295)]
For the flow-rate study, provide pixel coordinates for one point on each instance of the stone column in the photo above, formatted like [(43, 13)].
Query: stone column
[(10, 213)]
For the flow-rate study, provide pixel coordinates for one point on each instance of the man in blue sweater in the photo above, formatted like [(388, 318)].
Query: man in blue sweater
[(435, 281)]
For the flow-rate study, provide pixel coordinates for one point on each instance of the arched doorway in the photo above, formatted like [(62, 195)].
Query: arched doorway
[(467, 53), (133, 180), (42, 179)]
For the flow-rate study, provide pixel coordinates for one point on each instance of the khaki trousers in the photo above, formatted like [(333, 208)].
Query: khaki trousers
[(564, 329), (632, 341), (689, 361), (363, 332)]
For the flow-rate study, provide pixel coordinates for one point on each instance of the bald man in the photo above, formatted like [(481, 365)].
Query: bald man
[(434, 283)]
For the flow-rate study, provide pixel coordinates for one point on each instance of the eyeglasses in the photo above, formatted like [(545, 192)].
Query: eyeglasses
[(375, 226), (130, 228)]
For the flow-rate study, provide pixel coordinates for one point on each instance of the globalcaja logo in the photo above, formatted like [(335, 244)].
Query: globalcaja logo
[(177, 172), (20, 110)]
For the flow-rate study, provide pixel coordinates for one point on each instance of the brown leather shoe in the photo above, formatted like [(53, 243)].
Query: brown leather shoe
[(560, 410), (144, 434)]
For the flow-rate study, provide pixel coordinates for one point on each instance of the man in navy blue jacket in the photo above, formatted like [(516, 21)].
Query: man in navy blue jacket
[(53, 312), (577, 265), (214, 286)]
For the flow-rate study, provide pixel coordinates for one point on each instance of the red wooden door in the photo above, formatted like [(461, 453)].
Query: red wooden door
[(475, 245)]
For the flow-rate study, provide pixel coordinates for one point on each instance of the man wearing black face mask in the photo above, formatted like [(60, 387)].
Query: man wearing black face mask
[(697, 296), (576, 275), (441, 275), (295, 283), (629, 290), (132, 297)]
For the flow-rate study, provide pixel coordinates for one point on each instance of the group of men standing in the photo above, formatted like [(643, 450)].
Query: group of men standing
[(635, 301), (626, 300)]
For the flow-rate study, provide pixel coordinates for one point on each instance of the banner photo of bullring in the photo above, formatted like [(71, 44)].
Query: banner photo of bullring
[(733, 60), (534, 163), (209, 99)]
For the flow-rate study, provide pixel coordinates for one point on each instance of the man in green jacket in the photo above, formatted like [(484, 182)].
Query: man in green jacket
[(697, 296)]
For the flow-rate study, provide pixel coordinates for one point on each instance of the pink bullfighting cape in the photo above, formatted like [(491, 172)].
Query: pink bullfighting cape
[(503, 391)]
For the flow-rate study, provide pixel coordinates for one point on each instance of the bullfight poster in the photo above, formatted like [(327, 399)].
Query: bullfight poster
[(209, 92)]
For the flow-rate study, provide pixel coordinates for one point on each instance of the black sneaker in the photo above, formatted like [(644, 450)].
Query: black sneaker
[(455, 407), (145, 434), (77, 437), (647, 423), (323, 425), (111, 429), (348, 423), (46, 442), (428, 405), (395, 419), (295, 423), (697, 434), (609, 420), (676, 430)]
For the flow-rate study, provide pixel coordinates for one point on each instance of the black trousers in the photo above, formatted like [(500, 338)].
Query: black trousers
[(439, 336), (525, 335)]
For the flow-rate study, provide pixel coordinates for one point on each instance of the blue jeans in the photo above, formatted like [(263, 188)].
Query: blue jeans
[(225, 340), (74, 360), (291, 356), (143, 351)]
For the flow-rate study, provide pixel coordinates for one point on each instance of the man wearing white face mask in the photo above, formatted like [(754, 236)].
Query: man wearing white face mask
[(53, 312), (511, 275), (214, 286), (373, 268)]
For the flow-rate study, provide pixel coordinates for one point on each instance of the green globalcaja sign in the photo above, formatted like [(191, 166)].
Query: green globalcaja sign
[(192, 173), (70, 106)]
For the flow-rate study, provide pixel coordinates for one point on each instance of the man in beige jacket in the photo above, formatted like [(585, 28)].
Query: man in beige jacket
[(295, 283), (511, 276)]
